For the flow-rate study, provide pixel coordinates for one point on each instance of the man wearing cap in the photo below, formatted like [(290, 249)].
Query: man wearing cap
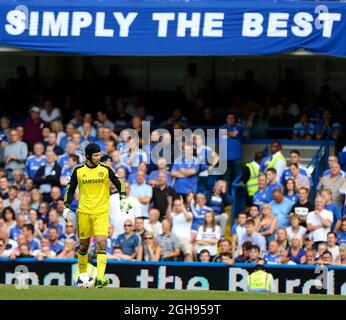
[(93, 208), (33, 127)]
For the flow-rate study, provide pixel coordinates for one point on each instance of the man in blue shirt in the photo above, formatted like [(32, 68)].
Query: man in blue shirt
[(261, 195), (327, 196), (32, 242), (254, 237), (281, 208), (294, 158), (67, 172), (55, 245), (234, 148), (17, 229), (272, 184), (331, 161), (128, 241), (185, 171), (71, 150), (35, 161)]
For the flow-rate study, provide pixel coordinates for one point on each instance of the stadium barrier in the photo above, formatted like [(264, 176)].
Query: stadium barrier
[(176, 275)]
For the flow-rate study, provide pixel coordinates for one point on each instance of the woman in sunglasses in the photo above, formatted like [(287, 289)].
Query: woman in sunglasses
[(149, 250)]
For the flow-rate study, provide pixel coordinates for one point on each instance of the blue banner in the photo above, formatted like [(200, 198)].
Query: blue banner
[(176, 27)]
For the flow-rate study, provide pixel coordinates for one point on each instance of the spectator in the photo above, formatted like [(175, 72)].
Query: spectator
[(133, 176), (198, 211), (49, 113), (169, 243), (332, 247), (18, 180), (254, 237), (34, 161), (290, 190), (281, 120), (128, 241), (272, 256), (162, 195), (234, 147), (185, 171), (149, 250), (285, 258), (303, 206), (281, 207), (208, 235), (36, 199), (272, 185), (48, 175), (295, 229), (70, 129), (52, 145), (162, 168), (12, 200), (143, 192), (333, 182), (268, 223), (254, 211), (319, 221), (225, 247), (342, 258), (313, 111), (9, 218), (326, 128), (118, 217), (301, 181), (57, 128), (303, 129), (17, 229), (282, 239), (297, 253), (67, 170), (4, 253), (255, 255), (152, 223), (341, 233), (15, 153), (54, 243), (33, 127), (45, 253), (32, 242), (70, 232), (309, 257), (326, 259), (277, 160), (177, 120), (69, 251), (139, 228), (244, 257), (238, 230), (54, 221), (204, 256), (332, 160), (103, 121), (226, 258), (294, 158), (327, 196), (4, 188), (217, 201), (261, 195), (181, 226), (118, 254), (23, 252), (308, 243)]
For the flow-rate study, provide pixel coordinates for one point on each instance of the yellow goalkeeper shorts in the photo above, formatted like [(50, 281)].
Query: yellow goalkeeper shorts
[(90, 225)]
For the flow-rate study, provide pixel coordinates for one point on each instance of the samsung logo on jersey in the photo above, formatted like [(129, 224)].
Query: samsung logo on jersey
[(93, 181)]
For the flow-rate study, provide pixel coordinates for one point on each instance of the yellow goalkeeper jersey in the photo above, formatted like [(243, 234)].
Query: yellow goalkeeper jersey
[(94, 188)]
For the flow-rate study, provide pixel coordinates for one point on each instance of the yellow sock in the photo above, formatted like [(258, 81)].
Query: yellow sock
[(82, 261), (101, 263)]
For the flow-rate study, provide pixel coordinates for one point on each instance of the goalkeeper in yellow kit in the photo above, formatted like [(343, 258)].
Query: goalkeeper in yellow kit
[(92, 177)]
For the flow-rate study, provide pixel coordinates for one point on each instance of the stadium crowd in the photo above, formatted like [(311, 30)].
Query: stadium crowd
[(180, 212)]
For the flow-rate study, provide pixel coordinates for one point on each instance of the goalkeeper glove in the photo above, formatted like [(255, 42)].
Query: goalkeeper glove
[(125, 205), (69, 215)]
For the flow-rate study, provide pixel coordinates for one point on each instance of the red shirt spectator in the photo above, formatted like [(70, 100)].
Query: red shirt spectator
[(33, 127)]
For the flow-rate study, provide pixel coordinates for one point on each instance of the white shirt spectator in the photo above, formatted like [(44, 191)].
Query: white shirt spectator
[(299, 233), (142, 190), (156, 228), (321, 233), (334, 251), (50, 117), (117, 217), (209, 234), (180, 226)]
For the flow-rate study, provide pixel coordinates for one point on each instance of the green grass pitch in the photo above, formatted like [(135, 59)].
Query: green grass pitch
[(9, 292)]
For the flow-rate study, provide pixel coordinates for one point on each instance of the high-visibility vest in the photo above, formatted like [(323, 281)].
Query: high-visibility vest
[(275, 159), (259, 281), (252, 183)]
